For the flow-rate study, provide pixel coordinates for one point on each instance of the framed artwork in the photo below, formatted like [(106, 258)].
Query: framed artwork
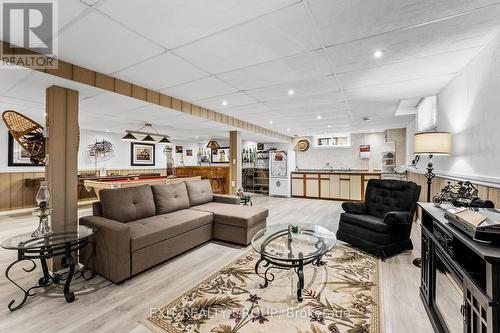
[(220, 155), (142, 154), (179, 149), (17, 156), (260, 146), (189, 152)]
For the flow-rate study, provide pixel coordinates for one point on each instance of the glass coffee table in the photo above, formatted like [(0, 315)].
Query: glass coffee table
[(289, 247), (57, 244)]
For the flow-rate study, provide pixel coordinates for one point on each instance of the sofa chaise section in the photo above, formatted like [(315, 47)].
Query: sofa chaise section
[(232, 222)]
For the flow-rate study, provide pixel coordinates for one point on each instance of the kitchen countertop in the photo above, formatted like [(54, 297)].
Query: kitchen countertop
[(326, 171)]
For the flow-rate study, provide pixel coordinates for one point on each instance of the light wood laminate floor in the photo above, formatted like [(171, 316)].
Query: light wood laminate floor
[(105, 307)]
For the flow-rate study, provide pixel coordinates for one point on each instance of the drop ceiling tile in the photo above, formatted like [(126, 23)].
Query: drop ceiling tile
[(307, 101), (150, 113), (176, 22), (266, 38), (236, 99), (9, 77), (461, 32), (314, 86), (346, 20), (33, 87), (160, 72), (69, 10), (400, 90), (85, 44), (200, 89), (110, 104), (246, 110), (296, 68), (430, 66)]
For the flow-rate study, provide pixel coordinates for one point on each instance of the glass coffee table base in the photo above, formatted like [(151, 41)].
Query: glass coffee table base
[(297, 265), (49, 279)]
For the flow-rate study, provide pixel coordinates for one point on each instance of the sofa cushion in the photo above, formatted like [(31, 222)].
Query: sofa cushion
[(240, 216), (199, 192), (128, 203), (151, 230), (366, 221), (170, 197)]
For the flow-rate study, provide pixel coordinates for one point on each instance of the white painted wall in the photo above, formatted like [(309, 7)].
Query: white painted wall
[(347, 157), (119, 159), (469, 108)]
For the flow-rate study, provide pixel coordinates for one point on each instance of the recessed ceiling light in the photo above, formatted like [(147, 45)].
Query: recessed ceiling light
[(196, 137), (318, 117), (270, 122), (107, 131), (288, 130), (378, 54), (291, 92), (224, 103), (329, 126)]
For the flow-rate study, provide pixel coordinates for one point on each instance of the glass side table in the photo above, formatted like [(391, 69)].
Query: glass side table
[(282, 247), (43, 248)]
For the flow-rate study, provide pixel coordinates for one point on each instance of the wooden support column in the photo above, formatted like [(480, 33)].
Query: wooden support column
[(235, 163), (61, 168)]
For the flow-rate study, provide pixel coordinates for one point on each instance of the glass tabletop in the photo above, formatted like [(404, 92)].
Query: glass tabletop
[(286, 243), (25, 241)]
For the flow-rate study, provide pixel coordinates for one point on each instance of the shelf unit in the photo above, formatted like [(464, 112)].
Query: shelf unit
[(255, 177)]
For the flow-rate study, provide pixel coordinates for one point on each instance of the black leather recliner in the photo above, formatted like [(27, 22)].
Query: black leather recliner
[(381, 225)]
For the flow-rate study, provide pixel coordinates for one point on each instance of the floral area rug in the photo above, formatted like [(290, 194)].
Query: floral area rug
[(340, 295)]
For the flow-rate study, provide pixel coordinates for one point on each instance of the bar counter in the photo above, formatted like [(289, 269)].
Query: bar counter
[(218, 176)]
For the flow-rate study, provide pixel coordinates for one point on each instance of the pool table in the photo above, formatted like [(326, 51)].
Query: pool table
[(132, 181)]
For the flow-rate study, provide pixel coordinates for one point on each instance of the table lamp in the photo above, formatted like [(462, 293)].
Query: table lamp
[(431, 143)]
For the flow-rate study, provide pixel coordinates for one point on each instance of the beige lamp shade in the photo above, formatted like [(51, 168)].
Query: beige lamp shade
[(432, 143)]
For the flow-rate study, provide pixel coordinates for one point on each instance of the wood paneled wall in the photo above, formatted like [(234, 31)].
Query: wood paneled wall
[(438, 183), (14, 194)]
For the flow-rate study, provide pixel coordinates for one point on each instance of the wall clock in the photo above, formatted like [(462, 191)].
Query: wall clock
[(302, 145)]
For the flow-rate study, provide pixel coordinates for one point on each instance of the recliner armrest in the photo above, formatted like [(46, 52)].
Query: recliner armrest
[(112, 247), (398, 217), (358, 208), (228, 199)]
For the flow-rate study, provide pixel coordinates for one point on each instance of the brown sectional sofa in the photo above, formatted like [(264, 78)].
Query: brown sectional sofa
[(139, 227)]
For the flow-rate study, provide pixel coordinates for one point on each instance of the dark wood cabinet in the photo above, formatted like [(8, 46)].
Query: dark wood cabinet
[(460, 277)]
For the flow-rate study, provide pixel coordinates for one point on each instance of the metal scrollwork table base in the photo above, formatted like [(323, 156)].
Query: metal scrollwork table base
[(59, 244), (306, 247)]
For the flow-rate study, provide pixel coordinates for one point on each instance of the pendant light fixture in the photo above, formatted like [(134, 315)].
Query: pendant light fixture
[(164, 140), (149, 133), (148, 138), (129, 137), (212, 144)]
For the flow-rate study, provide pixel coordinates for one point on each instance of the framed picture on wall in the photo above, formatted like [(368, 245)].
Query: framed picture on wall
[(189, 152), (142, 154), (220, 155), (17, 156), (179, 149)]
